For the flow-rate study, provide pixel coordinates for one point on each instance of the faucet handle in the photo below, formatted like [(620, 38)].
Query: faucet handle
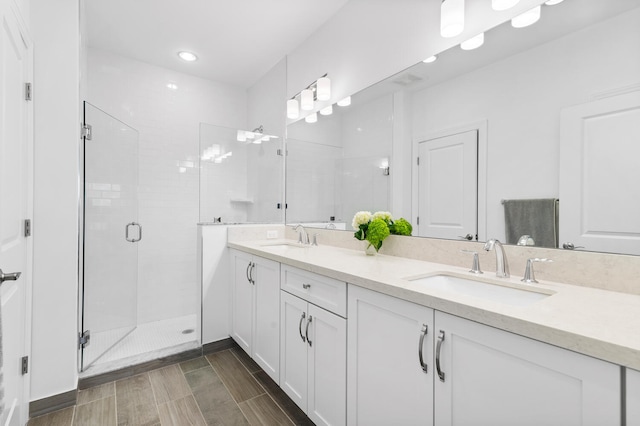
[(529, 276), (315, 240), (475, 268)]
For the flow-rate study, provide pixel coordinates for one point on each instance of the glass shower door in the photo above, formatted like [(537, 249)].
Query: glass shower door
[(111, 233)]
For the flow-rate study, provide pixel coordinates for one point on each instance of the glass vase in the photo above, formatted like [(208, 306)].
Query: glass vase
[(370, 250)]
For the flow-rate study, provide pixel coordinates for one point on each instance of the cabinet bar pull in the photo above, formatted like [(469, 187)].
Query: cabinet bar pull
[(306, 286), (425, 331), (306, 332), (304, 339), (438, 347), (248, 277), (253, 265)]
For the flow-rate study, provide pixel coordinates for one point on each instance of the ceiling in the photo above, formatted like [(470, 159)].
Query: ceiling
[(237, 41)]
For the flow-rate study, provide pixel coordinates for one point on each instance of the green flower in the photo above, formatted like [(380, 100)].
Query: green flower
[(377, 232), (401, 227)]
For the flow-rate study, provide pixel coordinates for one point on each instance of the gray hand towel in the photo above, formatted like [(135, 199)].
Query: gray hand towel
[(536, 217)]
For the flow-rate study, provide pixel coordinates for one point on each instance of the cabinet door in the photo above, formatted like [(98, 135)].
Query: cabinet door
[(633, 397), (499, 378), (266, 328), (386, 382), (293, 348), (242, 300), (327, 371)]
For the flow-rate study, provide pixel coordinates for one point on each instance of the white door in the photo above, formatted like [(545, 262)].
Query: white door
[(448, 186), (15, 206), (242, 300), (293, 348), (599, 175), (327, 371), (390, 352), (266, 328), (492, 377)]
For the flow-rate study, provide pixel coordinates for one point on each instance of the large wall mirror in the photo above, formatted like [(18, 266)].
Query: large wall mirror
[(543, 113)]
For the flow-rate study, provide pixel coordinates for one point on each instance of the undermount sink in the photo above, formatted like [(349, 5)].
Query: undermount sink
[(482, 289), (284, 246)]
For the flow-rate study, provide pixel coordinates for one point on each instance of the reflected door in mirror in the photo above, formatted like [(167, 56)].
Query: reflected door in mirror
[(447, 186)]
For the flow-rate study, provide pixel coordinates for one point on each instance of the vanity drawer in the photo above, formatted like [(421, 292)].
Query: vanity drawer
[(322, 291)]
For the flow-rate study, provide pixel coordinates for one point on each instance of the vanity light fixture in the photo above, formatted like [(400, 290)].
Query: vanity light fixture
[(527, 18), (345, 102), (430, 59), (187, 56), (473, 42), (323, 86), (503, 4), (311, 118), (553, 2), (292, 109), (451, 18), (327, 110), (306, 100)]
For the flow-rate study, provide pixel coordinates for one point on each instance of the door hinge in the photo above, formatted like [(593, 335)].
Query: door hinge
[(27, 227), (418, 161), (280, 152), (418, 220), (28, 92), (87, 131), (83, 339), (25, 365)]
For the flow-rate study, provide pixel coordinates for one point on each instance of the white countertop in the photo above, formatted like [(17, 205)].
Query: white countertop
[(603, 324)]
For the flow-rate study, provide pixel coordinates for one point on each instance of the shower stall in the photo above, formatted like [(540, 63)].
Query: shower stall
[(120, 258)]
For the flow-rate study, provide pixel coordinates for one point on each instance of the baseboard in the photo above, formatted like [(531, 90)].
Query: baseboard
[(52, 403), (220, 345)]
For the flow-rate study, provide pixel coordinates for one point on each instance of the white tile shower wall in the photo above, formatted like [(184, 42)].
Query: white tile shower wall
[(530, 130), (168, 122)]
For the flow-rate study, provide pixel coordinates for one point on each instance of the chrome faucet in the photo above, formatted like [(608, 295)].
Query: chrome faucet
[(303, 237), (502, 267)]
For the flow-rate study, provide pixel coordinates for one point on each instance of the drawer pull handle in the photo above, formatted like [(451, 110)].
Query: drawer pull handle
[(425, 331), (306, 286), (307, 330), (438, 348), (304, 339)]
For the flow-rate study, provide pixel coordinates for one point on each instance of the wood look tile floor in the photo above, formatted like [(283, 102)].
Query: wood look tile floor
[(223, 388)]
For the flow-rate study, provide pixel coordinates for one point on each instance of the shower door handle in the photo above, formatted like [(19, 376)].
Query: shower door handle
[(126, 232), (12, 276)]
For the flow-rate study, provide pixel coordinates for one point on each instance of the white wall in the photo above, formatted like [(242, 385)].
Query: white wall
[(168, 122), (521, 98), (56, 35), (369, 40)]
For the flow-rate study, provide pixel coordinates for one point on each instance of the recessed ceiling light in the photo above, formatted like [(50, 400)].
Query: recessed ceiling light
[(430, 59), (187, 56)]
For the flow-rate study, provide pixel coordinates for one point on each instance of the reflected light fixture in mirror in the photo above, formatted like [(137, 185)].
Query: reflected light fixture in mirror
[(345, 102), (306, 99), (327, 110), (311, 118), (323, 89), (451, 18), (503, 4), (430, 59), (292, 109), (242, 136), (527, 18), (473, 42)]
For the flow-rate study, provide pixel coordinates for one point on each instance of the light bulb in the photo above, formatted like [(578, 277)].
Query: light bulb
[(473, 42), (529, 17), (430, 59), (306, 99), (242, 136), (327, 110), (451, 18), (323, 86), (503, 4), (292, 109), (345, 102), (311, 118)]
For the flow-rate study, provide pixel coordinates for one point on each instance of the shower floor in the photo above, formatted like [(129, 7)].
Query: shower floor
[(147, 342)]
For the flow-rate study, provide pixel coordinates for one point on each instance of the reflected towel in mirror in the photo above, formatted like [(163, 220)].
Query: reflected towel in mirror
[(535, 217)]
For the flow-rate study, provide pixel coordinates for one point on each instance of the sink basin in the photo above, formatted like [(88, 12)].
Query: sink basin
[(484, 290), (283, 246)]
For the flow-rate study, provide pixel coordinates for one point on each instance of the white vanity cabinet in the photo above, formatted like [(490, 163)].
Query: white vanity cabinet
[(390, 367), (632, 402), (255, 321), (313, 344), (488, 376)]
